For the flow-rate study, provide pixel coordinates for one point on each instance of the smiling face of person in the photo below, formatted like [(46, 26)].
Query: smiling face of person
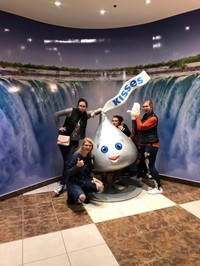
[(147, 107), (87, 146), (115, 121)]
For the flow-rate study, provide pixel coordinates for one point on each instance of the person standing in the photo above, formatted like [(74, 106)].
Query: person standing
[(74, 126), (148, 144), (81, 179)]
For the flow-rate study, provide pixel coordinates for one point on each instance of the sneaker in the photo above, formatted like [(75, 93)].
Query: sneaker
[(79, 201), (59, 190), (87, 200), (125, 174), (155, 191), (118, 185), (150, 177)]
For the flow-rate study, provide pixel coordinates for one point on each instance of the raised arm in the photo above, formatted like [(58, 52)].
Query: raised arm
[(76, 166), (94, 112), (57, 115)]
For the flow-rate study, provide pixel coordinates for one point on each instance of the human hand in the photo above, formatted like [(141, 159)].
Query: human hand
[(79, 163), (94, 180), (93, 114), (134, 111), (120, 127), (98, 183), (96, 112), (63, 129)]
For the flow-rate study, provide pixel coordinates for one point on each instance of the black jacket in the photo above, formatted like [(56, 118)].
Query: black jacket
[(79, 174), (151, 135)]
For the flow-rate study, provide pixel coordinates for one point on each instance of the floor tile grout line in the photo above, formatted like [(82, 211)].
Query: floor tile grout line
[(180, 206), (67, 253), (188, 210), (55, 215)]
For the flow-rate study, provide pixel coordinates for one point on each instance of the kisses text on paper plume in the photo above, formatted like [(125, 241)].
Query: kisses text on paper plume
[(127, 90)]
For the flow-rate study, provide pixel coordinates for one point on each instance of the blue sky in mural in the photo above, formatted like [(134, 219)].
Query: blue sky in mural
[(27, 41)]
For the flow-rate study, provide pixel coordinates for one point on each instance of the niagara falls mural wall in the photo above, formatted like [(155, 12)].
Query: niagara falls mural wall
[(28, 150)]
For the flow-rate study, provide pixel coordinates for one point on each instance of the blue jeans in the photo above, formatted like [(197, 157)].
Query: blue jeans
[(75, 189), (67, 152), (147, 159)]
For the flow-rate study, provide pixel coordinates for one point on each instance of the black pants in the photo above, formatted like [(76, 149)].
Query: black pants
[(67, 152), (147, 159)]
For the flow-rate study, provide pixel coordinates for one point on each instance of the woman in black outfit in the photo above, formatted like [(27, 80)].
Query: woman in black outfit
[(81, 179), (74, 126)]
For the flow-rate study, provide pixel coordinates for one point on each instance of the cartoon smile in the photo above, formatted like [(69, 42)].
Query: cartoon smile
[(114, 158)]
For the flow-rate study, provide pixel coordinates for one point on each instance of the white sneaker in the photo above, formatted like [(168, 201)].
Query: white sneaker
[(155, 191), (59, 190), (79, 201)]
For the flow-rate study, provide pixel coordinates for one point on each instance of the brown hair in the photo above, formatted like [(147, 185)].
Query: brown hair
[(120, 118), (149, 102), (82, 100)]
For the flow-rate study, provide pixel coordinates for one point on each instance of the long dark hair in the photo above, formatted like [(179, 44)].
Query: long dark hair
[(120, 118)]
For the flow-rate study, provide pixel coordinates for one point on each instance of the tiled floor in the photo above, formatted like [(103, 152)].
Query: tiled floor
[(39, 229)]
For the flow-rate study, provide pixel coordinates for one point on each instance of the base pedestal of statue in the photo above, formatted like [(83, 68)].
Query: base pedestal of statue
[(122, 189)]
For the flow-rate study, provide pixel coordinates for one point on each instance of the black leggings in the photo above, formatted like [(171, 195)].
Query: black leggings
[(146, 162), (67, 152)]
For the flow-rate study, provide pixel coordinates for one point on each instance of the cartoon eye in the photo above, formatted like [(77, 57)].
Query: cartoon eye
[(118, 146), (104, 149)]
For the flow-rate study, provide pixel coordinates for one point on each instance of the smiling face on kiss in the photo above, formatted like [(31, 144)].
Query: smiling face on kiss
[(113, 150)]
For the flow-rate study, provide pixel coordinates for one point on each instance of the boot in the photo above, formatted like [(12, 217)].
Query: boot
[(70, 200)]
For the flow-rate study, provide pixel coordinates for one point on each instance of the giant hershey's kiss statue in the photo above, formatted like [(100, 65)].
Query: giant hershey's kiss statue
[(113, 150)]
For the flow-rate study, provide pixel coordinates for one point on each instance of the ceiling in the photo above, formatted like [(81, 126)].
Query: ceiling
[(85, 13)]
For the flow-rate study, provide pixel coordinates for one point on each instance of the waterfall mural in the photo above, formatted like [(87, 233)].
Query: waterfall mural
[(28, 149)]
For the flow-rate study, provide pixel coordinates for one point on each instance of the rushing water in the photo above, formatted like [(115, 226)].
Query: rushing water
[(28, 149)]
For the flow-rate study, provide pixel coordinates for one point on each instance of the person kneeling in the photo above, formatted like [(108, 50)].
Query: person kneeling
[(81, 180)]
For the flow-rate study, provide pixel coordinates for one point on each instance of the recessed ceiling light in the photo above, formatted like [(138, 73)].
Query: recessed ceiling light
[(102, 11), (187, 27), (157, 37), (148, 2), (57, 3)]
